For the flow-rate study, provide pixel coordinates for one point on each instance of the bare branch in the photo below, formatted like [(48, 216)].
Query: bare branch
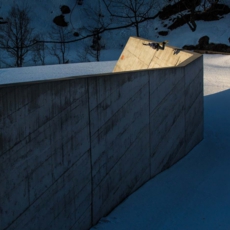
[(134, 11), (16, 35)]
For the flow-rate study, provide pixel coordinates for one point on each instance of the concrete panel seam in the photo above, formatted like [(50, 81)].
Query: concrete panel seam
[(164, 98), (163, 82), (31, 204), (151, 60), (129, 171), (194, 102), (119, 159), (185, 121), (150, 172), (80, 217), (90, 153), (100, 128)]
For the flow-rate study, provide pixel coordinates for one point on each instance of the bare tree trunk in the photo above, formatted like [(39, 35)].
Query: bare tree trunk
[(132, 11)]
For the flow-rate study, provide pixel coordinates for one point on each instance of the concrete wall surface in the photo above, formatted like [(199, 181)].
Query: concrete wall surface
[(137, 55), (72, 150)]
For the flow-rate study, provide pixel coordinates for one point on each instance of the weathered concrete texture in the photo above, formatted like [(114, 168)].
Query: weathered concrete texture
[(167, 121), (44, 143), (71, 150), (136, 56), (176, 118), (119, 117)]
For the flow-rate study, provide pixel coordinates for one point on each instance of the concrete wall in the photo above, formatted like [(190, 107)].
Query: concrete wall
[(72, 150), (45, 170), (136, 56)]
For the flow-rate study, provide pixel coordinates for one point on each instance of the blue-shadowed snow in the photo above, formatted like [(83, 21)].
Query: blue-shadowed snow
[(50, 72)]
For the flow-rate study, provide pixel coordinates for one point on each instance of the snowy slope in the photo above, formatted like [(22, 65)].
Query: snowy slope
[(43, 12)]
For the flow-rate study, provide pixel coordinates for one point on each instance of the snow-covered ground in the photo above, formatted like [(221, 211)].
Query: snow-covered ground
[(194, 193)]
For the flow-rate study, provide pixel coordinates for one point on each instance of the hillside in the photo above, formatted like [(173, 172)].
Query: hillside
[(81, 19)]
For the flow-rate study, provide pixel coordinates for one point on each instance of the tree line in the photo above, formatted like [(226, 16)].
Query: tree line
[(18, 38)]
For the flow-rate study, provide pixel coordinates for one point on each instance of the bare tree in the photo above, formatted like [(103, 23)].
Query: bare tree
[(16, 36), (97, 22), (131, 12), (86, 53), (83, 54), (60, 49), (96, 45), (89, 52), (104, 19), (39, 51)]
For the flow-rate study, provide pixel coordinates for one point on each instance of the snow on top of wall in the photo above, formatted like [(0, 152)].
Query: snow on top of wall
[(50, 72)]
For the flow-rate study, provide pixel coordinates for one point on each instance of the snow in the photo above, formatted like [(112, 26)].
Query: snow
[(81, 16), (51, 72), (216, 81), (195, 192)]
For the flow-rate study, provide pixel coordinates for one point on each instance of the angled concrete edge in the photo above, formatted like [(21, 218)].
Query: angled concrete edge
[(138, 55)]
